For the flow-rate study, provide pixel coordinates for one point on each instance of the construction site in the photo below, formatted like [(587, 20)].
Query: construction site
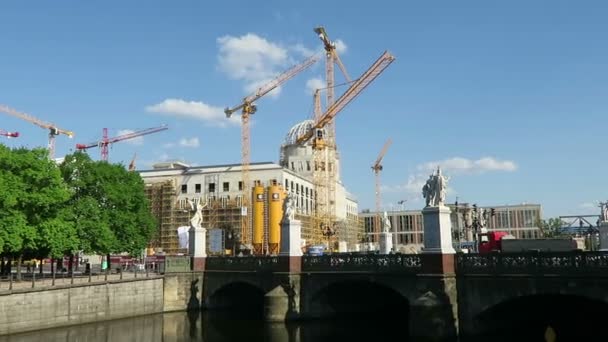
[(245, 200)]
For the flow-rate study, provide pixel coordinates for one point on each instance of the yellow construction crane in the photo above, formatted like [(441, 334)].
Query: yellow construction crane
[(324, 177), (323, 216), (53, 130), (248, 108), (377, 167)]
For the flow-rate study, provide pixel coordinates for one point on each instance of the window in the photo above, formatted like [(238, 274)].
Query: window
[(293, 168), (197, 188), (211, 187), (184, 188), (240, 185), (308, 165), (226, 186), (291, 187), (286, 185)]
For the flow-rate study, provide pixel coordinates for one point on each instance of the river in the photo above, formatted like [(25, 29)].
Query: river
[(216, 327)]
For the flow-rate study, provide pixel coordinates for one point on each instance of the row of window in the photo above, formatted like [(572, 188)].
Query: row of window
[(211, 188), (300, 166)]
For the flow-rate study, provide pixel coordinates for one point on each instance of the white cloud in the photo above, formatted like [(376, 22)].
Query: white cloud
[(340, 46), (251, 58), (194, 110), (413, 184), (192, 142), (314, 84), (589, 205), (303, 50), (134, 141), (463, 165)]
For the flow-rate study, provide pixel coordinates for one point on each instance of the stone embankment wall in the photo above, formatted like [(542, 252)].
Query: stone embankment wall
[(24, 310)]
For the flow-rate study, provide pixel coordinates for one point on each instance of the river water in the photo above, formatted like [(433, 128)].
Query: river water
[(216, 327)]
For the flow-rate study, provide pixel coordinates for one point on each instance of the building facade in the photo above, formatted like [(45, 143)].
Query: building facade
[(171, 185), (520, 220)]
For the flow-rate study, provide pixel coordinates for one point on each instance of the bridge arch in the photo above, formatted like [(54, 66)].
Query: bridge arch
[(359, 296), (572, 317), (240, 298)]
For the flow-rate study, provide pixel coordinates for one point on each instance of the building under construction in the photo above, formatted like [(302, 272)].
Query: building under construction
[(171, 185)]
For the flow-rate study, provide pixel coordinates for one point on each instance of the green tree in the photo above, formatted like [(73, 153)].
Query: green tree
[(551, 228), (33, 220), (109, 206)]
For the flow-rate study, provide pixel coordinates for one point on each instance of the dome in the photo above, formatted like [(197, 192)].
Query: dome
[(297, 130)]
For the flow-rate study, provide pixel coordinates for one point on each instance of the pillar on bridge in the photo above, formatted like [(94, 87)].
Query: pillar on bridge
[(603, 235), (197, 247)]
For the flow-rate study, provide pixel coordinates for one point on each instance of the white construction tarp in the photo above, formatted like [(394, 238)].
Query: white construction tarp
[(182, 236)]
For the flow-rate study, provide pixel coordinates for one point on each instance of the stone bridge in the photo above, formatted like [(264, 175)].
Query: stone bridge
[(426, 294)]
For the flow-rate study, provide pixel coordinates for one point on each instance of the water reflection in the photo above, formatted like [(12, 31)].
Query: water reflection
[(215, 327)]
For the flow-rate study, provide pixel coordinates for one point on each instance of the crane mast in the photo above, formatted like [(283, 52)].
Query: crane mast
[(248, 108), (377, 167), (53, 130), (326, 155), (323, 216), (105, 141)]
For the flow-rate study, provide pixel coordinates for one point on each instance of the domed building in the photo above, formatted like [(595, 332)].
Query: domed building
[(300, 159), (170, 185)]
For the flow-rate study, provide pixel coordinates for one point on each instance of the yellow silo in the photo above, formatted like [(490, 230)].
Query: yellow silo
[(276, 196), (258, 218)]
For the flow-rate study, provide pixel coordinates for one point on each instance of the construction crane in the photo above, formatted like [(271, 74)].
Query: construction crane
[(9, 134), (105, 141), (132, 163), (330, 176), (323, 216), (377, 167), (53, 130), (248, 108)]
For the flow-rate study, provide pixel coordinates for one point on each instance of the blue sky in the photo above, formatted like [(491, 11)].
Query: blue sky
[(509, 97)]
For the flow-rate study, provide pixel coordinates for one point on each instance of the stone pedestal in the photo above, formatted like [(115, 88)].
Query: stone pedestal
[(437, 230), (197, 244), (603, 236), (291, 238), (386, 242)]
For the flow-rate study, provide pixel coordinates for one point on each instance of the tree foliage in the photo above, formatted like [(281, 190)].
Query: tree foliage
[(551, 228), (80, 205)]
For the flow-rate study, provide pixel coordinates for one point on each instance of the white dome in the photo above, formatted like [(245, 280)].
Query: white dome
[(297, 130)]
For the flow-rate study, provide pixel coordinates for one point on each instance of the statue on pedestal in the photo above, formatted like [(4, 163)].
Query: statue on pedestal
[(288, 209), (434, 190), (603, 211), (386, 224), (197, 219)]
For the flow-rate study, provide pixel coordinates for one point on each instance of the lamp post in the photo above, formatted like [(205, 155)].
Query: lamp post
[(474, 220)]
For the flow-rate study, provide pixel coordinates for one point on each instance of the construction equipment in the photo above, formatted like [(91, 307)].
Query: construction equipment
[(132, 163), (248, 108), (325, 179), (9, 134), (377, 167), (105, 141), (53, 130), (324, 217)]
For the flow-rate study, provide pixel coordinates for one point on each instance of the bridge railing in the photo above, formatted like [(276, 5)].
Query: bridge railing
[(533, 263), (399, 263), (247, 263)]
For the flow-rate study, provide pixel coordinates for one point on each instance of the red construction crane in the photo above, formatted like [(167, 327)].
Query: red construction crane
[(53, 130), (9, 134), (105, 141)]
